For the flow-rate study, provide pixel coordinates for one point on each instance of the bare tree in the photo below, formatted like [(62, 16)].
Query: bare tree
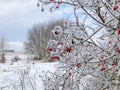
[(3, 46), (38, 37)]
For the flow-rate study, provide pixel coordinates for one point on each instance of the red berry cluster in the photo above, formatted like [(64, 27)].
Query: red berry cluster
[(102, 69), (54, 57), (68, 49)]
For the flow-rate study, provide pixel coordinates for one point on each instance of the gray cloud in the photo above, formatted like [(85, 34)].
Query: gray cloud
[(18, 16)]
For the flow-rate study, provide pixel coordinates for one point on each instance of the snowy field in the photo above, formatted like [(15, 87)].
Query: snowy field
[(23, 75)]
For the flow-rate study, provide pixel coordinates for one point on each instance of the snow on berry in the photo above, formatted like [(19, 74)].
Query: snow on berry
[(115, 8), (57, 31)]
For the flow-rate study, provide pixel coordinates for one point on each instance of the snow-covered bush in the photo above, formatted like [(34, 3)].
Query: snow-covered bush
[(88, 50), (15, 58)]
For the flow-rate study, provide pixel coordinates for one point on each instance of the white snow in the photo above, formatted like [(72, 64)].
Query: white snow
[(27, 72)]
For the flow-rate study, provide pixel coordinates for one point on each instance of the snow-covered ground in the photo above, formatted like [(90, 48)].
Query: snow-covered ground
[(23, 75), (23, 56), (26, 74)]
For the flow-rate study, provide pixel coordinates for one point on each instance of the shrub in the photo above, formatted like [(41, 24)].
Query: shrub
[(16, 58)]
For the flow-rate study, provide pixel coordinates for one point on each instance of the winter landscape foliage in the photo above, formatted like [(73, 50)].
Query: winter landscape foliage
[(23, 75), (87, 51)]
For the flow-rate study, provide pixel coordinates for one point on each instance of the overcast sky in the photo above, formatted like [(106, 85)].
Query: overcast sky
[(18, 16)]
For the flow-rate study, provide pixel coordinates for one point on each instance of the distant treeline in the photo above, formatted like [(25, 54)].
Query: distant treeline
[(7, 51)]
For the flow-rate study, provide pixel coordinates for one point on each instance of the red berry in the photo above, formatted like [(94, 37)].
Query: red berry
[(49, 49), (105, 62), (115, 8), (118, 31), (98, 64), (58, 2), (113, 64), (69, 73), (117, 50), (56, 33), (110, 42), (78, 65), (69, 49), (102, 69), (57, 6), (54, 57)]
